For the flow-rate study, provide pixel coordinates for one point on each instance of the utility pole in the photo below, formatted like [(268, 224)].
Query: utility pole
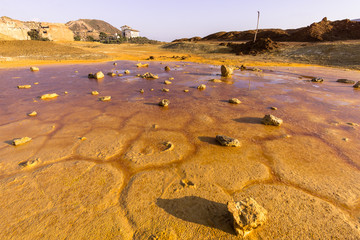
[(257, 26)]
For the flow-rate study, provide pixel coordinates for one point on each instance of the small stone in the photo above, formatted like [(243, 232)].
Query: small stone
[(65, 92), (186, 90), (167, 82), (20, 141), (167, 68), (271, 120), (352, 124), (187, 183), (234, 101), (318, 80), (111, 74), (345, 139), (76, 71), (273, 108), (94, 93), (165, 90), (32, 114), (168, 146), (29, 163), (215, 80), (120, 75), (142, 91), (99, 75), (228, 141), (114, 64), (164, 103), (226, 71), (357, 85), (171, 78), (83, 138), (155, 126), (49, 96), (36, 83), (247, 215), (343, 80), (34, 69), (105, 98), (201, 87), (149, 75), (151, 58), (23, 86), (140, 65), (126, 72)]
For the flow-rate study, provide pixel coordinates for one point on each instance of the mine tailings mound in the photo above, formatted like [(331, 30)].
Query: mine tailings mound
[(261, 45), (324, 30)]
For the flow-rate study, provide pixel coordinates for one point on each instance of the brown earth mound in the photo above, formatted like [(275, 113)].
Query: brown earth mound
[(324, 30), (91, 27), (261, 45)]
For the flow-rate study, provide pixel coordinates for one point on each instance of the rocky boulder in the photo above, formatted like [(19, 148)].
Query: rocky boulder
[(247, 215), (226, 71)]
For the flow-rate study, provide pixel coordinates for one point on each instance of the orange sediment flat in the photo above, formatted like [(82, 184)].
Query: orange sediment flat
[(131, 169)]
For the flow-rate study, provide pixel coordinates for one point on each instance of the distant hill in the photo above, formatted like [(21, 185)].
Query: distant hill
[(91, 27), (356, 20), (324, 30), (15, 29)]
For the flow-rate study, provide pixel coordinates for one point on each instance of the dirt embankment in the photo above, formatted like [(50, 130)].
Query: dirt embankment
[(324, 30)]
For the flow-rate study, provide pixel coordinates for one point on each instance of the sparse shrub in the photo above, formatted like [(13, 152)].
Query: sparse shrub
[(90, 39), (77, 38), (35, 35)]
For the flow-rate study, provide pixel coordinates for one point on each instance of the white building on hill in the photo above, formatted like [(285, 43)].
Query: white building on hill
[(128, 32)]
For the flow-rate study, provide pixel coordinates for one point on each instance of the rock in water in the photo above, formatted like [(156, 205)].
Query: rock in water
[(149, 75), (111, 74), (105, 98), (215, 80), (201, 87), (99, 75), (226, 71), (234, 101), (127, 71), (271, 120), (94, 93), (345, 81), (167, 68), (357, 85), (49, 96), (247, 215), (318, 80), (140, 65), (32, 114), (20, 141), (228, 141), (164, 103), (34, 69), (23, 86)]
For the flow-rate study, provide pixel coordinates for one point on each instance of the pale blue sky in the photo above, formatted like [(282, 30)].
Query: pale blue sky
[(168, 20)]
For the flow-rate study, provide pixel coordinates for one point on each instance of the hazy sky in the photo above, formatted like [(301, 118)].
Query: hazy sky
[(168, 20)]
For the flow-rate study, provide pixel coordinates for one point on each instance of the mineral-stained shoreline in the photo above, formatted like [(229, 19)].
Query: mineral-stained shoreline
[(131, 169)]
